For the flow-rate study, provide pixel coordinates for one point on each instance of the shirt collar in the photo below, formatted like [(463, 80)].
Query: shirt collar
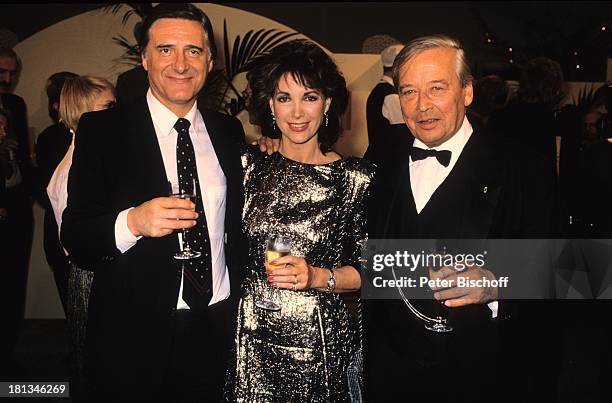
[(455, 144), (164, 119)]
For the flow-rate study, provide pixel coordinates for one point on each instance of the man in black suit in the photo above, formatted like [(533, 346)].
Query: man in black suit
[(17, 229), (452, 182), (160, 328)]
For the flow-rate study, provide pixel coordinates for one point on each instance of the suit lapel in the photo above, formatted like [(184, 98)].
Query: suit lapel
[(401, 215), (478, 170), (220, 142), (143, 144), (472, 189)]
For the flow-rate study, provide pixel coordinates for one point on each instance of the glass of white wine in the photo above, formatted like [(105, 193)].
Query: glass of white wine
[(439, 322), (276, 246), (186, 252)]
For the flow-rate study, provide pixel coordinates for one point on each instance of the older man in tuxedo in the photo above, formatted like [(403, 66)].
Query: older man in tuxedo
[(452, 182), (160, 328)]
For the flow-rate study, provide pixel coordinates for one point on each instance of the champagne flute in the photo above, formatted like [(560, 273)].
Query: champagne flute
[(439, 323), (276, 247), (186, 194)]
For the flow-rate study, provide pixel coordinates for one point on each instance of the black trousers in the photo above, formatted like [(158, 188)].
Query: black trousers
[(200, 354), (15, 247)]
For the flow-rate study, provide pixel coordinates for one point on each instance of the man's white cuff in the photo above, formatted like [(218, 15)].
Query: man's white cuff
[(124, 239), (493, 306)]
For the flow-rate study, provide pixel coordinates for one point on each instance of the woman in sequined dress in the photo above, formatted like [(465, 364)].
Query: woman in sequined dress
[(304, 351)]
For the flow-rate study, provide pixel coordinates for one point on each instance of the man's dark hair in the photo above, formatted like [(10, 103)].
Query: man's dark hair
[(10, 53), (56, 82), (185, 11), (54, 89), (309, 66), (542, 82)]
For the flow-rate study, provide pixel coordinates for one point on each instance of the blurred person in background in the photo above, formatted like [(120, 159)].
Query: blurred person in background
[(529, 119), (386, 128), (490, 95), (51, 146), (78, 96), (16, 240)]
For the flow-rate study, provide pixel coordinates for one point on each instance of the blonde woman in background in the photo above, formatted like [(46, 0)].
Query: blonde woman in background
[(79, 95)]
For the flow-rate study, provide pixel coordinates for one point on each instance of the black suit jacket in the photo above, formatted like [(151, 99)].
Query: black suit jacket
[(520, 193), (51, 147), (117, 164), (490, 193)]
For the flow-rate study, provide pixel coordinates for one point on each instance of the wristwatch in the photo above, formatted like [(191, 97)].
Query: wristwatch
[(331, 282)]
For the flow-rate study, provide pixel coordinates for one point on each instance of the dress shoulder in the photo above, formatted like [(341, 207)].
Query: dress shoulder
[(250, 155), (359, 169)]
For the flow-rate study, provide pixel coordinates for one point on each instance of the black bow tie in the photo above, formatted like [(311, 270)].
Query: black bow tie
[(443, 156)]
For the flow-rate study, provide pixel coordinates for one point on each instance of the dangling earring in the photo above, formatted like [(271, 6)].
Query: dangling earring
[(273, 121), (326, 119)]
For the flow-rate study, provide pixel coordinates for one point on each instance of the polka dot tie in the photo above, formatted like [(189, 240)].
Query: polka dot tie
[(197, 273)]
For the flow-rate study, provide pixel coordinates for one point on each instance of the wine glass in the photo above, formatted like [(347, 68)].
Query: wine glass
[(439, 322), (189, 194), (276, 246)]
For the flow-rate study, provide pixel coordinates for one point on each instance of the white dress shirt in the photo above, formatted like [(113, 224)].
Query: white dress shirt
[(427, 175), (391, 109), (212, 188), (57, 189)]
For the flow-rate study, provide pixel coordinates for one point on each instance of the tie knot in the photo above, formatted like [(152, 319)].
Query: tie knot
[(182, 125)]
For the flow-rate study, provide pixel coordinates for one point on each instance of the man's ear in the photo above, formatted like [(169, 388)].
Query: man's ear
[(143, 59), (468, 94)]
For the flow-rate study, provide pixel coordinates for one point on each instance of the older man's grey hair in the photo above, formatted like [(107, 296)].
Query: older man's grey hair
[(419, 45)]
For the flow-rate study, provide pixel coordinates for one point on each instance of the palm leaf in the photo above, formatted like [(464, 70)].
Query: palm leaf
[(234, 56), (244, 53), (277, 41), (139, 9), (255, 41), (226, 53), (241, 51), (272, 34), (131, 56)]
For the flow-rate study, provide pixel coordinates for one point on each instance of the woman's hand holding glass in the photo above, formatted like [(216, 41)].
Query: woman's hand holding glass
[(295, 273)]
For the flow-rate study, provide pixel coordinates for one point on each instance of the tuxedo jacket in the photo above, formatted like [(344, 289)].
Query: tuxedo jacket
[(491, 192), (117, 164)]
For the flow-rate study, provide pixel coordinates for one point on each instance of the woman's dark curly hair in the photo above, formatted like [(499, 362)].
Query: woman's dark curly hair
[(309, 66)]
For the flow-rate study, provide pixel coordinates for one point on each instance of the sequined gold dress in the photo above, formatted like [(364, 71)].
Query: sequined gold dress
[(301, 352)]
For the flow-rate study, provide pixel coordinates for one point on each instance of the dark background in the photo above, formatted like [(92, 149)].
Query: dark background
[(569, 32)]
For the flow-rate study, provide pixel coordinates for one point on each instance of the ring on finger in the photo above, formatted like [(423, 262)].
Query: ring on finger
[(294, 287)]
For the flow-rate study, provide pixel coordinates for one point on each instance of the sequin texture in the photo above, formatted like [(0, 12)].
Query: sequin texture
[(301, 352)]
